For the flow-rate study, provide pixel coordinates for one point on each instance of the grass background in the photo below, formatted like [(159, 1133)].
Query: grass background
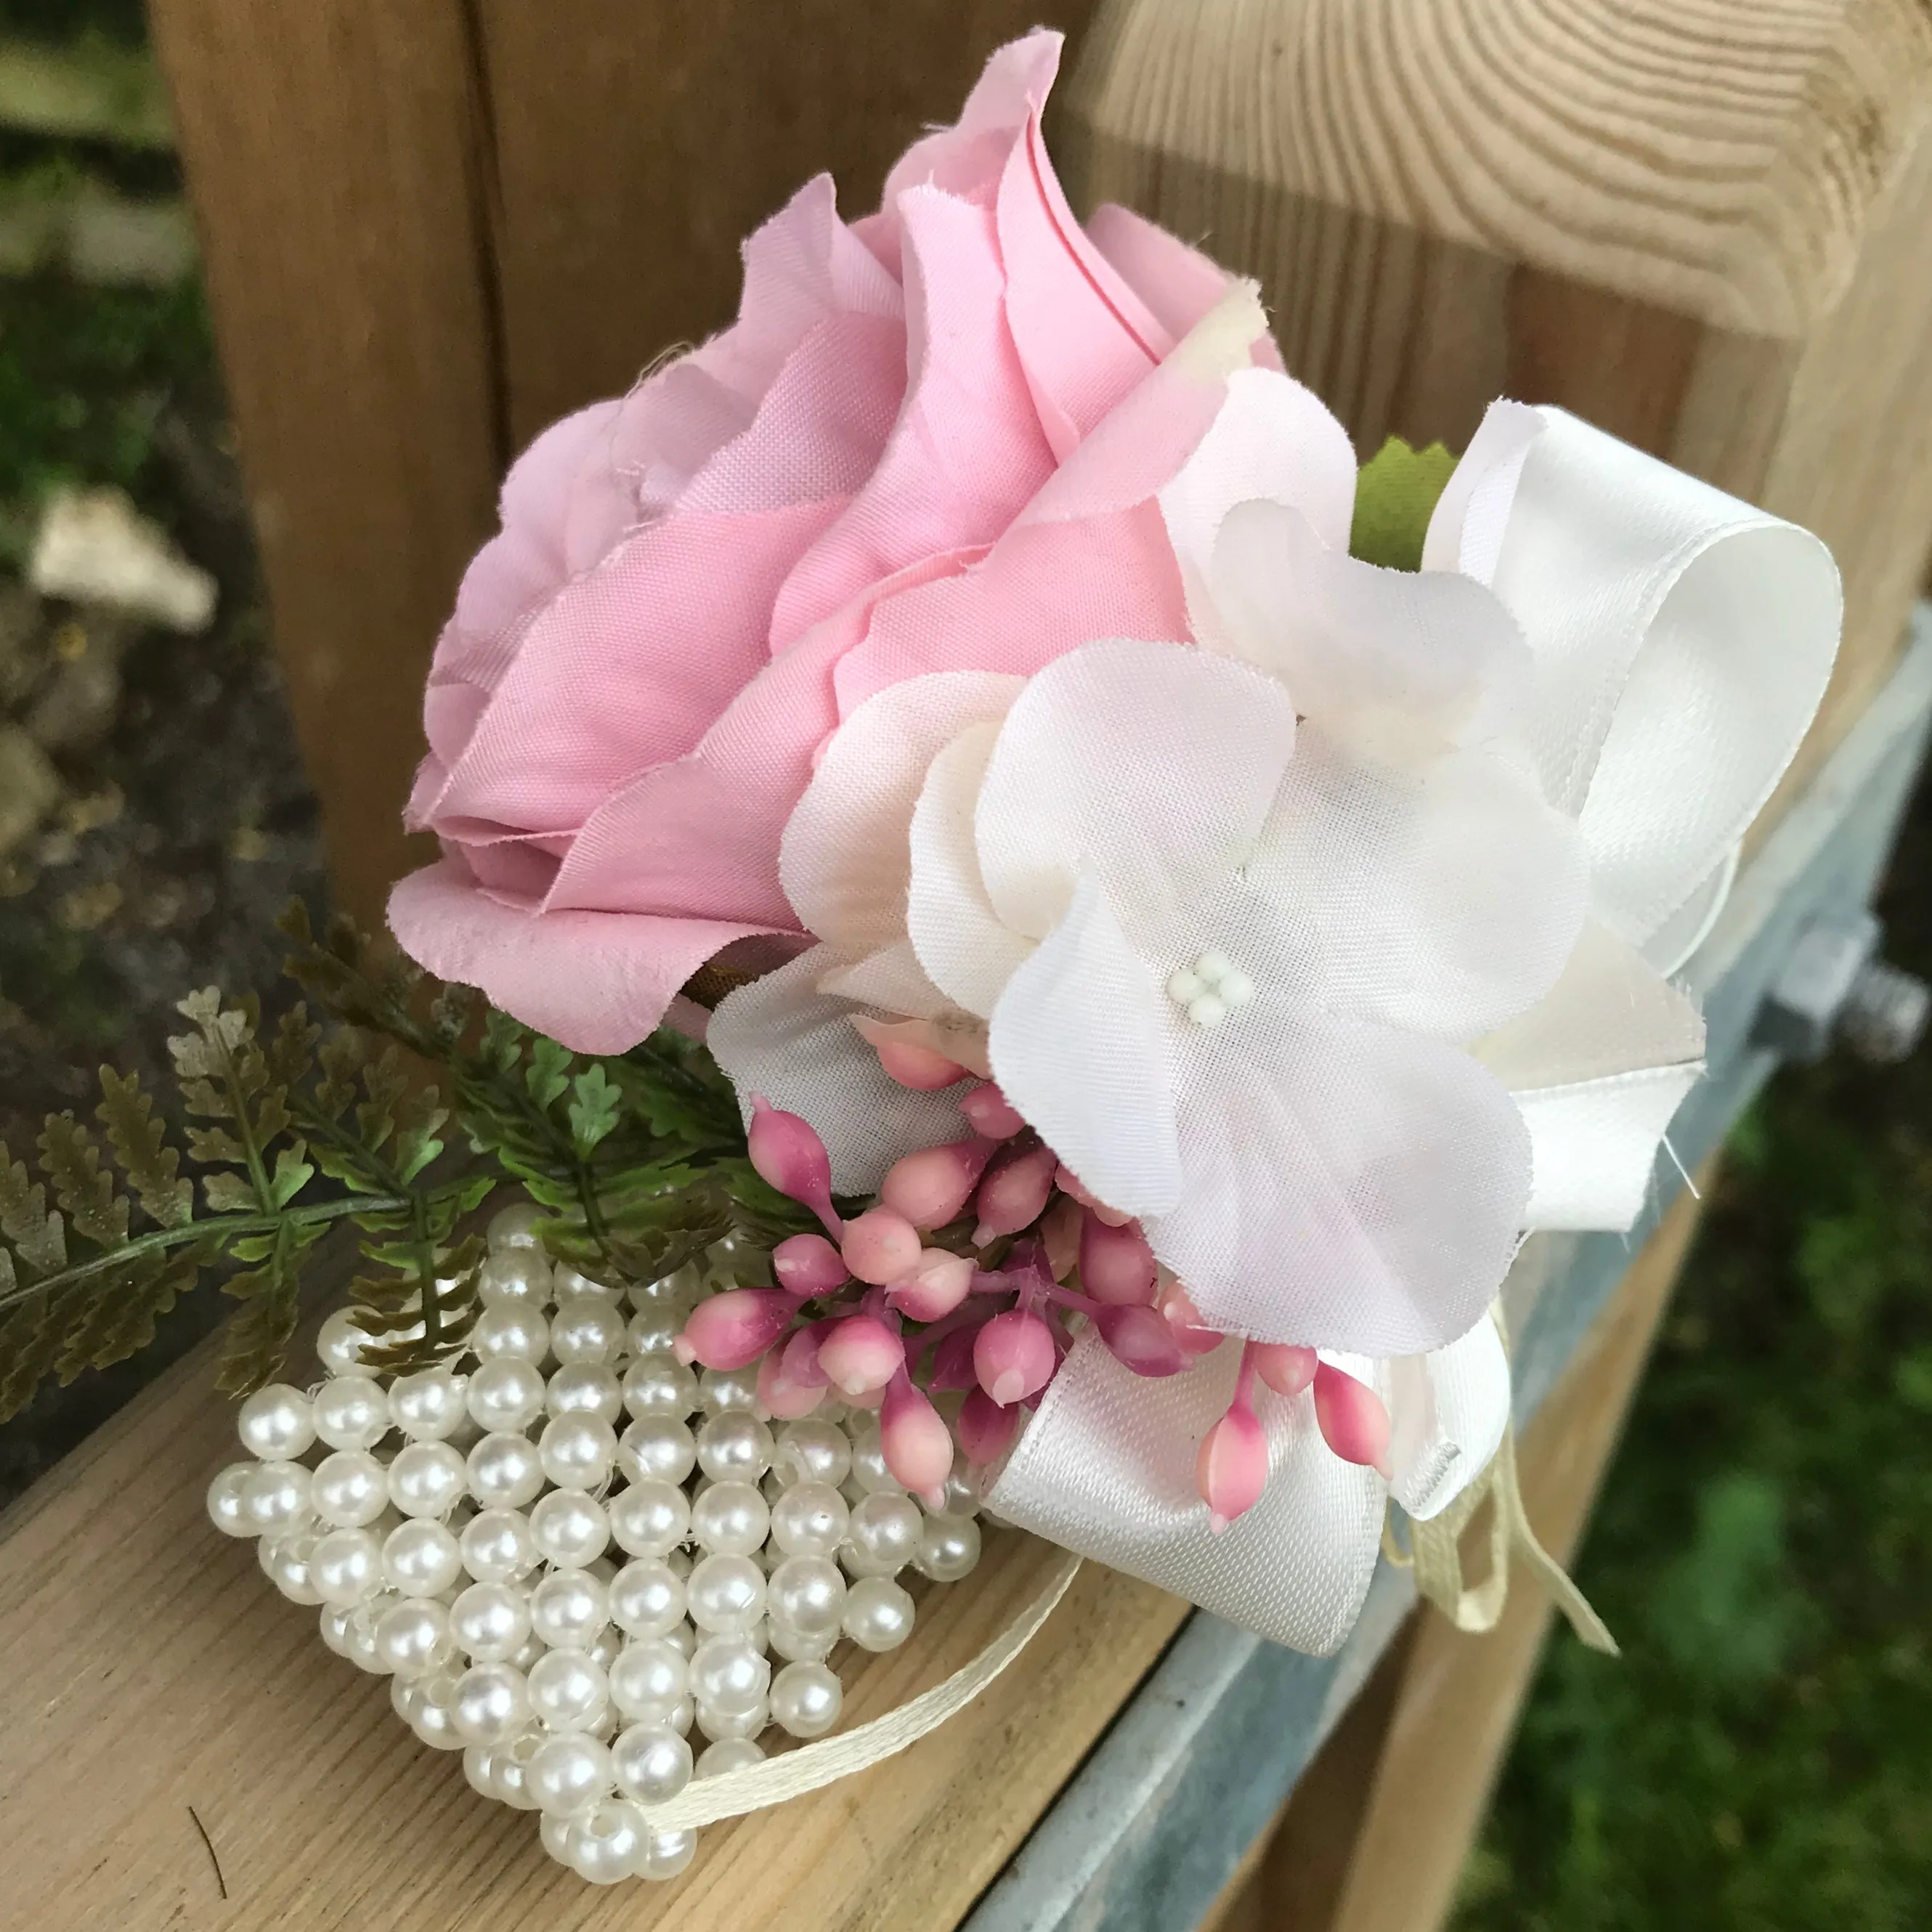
[(1761, 1755)]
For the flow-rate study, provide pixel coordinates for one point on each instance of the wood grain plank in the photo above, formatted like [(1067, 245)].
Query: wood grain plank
[(636, 149), (150, 1667), (330, 155)]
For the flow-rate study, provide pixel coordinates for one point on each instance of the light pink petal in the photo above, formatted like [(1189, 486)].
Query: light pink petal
[(1178, 284), (843, 862), (1344, 1185), (1151, 765), (598, 982), (782, 1038), (1078, 1043), (967, 452)]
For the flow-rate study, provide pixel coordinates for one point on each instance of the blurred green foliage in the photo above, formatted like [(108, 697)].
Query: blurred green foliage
[(1761, 1758)]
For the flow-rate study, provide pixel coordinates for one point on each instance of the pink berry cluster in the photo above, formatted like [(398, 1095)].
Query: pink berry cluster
[(888, 1318)]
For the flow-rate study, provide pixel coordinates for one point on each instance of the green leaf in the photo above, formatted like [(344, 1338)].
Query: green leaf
[(140, 1145), (81, 1186), (228, 1193), (40, 1238), (594, 1110), (1395, 496), (549, 1073), (292, 1174)]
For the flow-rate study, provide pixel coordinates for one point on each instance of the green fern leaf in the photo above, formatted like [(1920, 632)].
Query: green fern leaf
[(39, 1237), (140, 1145), (84, 1189), (228, 1193)]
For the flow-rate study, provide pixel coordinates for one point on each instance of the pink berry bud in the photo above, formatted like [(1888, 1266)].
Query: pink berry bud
[(936, 1287), (801, 1367), (734, 1328), (790, 1156), (1015, 1195), (1353, 1422), (880, 1246), (1068, 1182), (1116, 1264), (1285, 1368), (1014, 1357), (915, 1440), (1141, 1340), (1185, 1319), (1059, 1236), (808, 1265), (986, 1430), (787, 1400), (861, 1354), (991, 1113), (932, 1186), (1232, 1467), (911, 1062)]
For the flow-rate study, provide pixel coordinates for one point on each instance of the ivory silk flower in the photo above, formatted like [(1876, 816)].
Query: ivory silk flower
[(933, 438)]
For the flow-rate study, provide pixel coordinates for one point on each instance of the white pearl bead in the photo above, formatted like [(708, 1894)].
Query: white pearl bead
[(513, 1228), (275, 1423), (731, 1519), (878, 1614), (275, 1496), (813, 1450), (413, 1638), (518, 1278), (349, 1489), (682, 1284), (1235, 988), (649, 1680), (666, 1854), (648, 1519), (948, 1548), (810, 1520), (657, 1448), (227, 1508), (479, 1769), (333, 1625), (734, 1446), (660, 1385), (505, 1394), (717, 1725), (569, 1772), (606, 1647), (527, 1652), (1214, 966), (647, 1598), (961, 1497), (510, 1330), (359, 1639), (807, 1594), (883, 1535), (651, 1762), (339, 1342), (721, 1389), (421, 1559), (426, 1478), (510, 1780), (558, 1833), (654, 1329), (570, 1528), (1209, 1010), (567, 1690), (607, 1842), (868, 1463), (435, 1724), (806, 1699), (729, 1754), (585, 1388), (1182, 986), (351, 1412), (492, 1703), (428, 1405), (568, 1608), (490, 1620), (726, 1594), (587, 1328), (579, 1451), (284, 1560), (730, 1673), (505, 1471), (570, 1280), (498, 1546), (795, 1647)]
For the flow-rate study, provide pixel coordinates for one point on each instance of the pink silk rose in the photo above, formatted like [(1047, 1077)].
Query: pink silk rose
[(932, 441)]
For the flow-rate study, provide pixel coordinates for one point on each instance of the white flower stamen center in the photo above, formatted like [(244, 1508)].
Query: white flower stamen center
[(1210, 989)]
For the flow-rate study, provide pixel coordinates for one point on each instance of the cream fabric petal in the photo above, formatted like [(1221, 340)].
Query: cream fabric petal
[(1392, 664), (781, 1038), (1344, 1185), (1079, 1044), (1444, 901), (1106, 1467), (969, 954), (1448, 1411), (1152, 765), (1272, 441), (843, 859), (890, 980), (1593, 1145)]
